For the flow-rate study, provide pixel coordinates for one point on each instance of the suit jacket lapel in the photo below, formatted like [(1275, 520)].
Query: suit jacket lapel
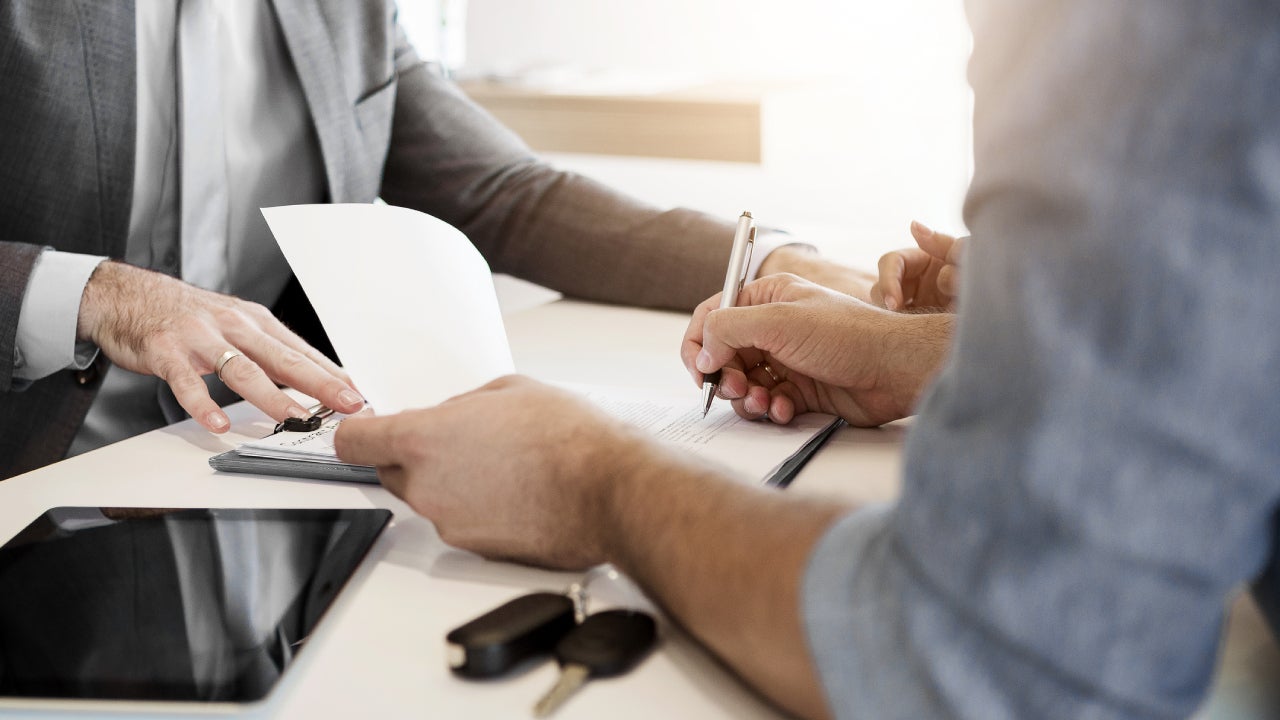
[(108, 29), (314, 60)]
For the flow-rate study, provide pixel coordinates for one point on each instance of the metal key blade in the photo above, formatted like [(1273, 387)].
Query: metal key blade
[(571, 678)]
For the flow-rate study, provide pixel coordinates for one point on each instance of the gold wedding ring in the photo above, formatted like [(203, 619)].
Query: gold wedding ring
[(769, 370), (223, 359)]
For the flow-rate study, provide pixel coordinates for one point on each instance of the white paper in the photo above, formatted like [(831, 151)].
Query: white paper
[(407, 300), (315, 446), (751, 450)]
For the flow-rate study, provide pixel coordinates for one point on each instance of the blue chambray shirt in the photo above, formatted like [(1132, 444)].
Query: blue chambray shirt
[(1097, 468)]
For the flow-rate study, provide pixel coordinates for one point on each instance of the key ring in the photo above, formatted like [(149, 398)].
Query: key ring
[(605, 587)]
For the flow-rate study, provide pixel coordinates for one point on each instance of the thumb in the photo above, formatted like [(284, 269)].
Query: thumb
[(730, 330), (364, 439)]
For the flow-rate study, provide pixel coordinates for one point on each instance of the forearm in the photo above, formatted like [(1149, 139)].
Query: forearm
[(725, 561), (450, 158), (576, 235)]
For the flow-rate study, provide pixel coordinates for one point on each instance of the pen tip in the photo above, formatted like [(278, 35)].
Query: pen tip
[(708, 394)]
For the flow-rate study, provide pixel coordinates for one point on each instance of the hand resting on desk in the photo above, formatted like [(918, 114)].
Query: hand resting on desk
[(154, 324), (791, 346), (519, 470)]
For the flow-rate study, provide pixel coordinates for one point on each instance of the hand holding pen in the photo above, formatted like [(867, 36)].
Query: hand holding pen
[(744, 239)]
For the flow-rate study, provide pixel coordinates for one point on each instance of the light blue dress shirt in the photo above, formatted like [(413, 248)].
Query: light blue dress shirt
[(1096, 471)]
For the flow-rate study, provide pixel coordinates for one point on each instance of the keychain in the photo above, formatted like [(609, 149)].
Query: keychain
[(609, 640)]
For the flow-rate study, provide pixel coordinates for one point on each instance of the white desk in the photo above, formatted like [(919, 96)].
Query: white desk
[(380, 651)]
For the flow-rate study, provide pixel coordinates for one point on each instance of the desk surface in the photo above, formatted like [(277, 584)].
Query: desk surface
[(380, 652)]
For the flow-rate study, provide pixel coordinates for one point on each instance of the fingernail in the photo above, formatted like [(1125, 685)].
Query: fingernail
[(752, 406), (297, 411), (704, 361), (216, 420), (920, 228), (890, 303), (350, 397)]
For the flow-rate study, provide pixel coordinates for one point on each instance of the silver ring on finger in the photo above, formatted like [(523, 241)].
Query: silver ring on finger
[(223, 359)]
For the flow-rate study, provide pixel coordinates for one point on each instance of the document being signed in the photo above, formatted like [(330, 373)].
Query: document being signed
[(753, 451), (409, 305)]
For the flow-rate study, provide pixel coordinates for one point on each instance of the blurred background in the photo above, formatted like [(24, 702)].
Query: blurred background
[(840, 121)]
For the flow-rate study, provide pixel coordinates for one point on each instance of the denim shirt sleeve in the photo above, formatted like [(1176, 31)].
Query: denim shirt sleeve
[(1094, 472)]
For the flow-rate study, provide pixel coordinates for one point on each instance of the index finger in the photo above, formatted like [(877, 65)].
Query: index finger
[(896, 266), (288, 364), (944, 247)]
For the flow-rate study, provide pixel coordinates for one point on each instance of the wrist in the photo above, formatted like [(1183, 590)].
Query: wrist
[(916, 346), (96, 295), (806, 262), (794, 258)]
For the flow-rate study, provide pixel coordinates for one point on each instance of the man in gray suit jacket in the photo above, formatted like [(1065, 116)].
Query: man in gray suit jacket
[(153, 137)]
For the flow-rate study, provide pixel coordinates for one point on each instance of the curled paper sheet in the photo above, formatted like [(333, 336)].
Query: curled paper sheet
[(407, 300)]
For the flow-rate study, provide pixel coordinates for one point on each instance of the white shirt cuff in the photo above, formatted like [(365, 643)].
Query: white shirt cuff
[(46, 341)]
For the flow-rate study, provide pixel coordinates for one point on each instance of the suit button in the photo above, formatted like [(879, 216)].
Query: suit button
[(87, 375)]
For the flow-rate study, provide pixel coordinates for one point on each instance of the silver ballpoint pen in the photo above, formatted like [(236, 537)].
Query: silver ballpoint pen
[(744, 240)]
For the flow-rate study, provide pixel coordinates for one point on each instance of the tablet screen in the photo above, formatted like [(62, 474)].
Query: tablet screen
[(152, 604)]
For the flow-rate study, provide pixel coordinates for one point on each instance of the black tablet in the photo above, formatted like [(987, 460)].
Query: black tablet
[(169, 605)]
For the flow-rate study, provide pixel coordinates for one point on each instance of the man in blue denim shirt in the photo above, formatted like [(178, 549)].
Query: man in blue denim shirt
[(1094, 471)]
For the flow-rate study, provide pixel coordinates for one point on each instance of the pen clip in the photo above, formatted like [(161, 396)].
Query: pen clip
[(746, 261), (319, 414)]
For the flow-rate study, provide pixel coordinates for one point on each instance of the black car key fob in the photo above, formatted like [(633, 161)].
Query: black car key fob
[(606, 644), (497, 641)]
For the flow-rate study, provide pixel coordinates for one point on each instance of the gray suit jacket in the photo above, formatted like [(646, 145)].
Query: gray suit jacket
[(386, 126)]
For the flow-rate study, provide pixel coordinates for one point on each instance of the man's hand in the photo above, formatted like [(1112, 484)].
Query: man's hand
[(792, 346), (804, 262), (515, 469), (921, 278), (522, 471), (153, 324)]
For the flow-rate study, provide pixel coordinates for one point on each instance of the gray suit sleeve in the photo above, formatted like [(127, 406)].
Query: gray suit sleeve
[(17, 260), (1094, 472), (451, 159)]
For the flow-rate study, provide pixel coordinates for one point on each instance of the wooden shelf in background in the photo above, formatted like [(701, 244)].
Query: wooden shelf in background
[(715, 122)]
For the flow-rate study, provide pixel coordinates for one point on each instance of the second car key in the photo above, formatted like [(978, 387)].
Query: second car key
[(606, 644)]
